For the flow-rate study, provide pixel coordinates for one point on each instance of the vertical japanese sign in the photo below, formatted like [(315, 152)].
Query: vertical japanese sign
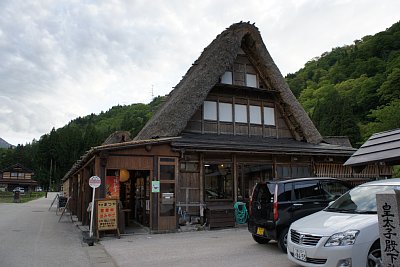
[(112, 186), (107, 214), (389, 227)]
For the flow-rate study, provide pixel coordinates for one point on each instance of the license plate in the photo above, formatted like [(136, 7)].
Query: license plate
[(300, 254), (260, 231)]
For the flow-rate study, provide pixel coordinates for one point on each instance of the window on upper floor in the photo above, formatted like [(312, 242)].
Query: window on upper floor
[(251, 80), (240, 113), (269, 116), (227, 78), (225, 112), (210, 110), (255, 114)]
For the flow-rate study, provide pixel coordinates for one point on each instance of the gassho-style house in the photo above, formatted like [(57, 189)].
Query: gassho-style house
[(230, 122)]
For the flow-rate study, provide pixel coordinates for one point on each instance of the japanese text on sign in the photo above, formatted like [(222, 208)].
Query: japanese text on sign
[(391, 248), (107, 213)]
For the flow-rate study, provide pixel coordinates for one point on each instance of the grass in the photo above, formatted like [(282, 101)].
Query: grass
[(8, 197)]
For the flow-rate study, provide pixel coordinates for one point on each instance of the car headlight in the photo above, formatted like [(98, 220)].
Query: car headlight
[(342, 239)]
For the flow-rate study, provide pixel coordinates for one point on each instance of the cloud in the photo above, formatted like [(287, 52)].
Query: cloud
[(64, 59)]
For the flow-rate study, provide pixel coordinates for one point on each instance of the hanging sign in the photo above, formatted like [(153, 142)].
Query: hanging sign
[(155, 186)]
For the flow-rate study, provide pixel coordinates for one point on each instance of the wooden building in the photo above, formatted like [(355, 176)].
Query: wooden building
[(17, 176), (230, 122)]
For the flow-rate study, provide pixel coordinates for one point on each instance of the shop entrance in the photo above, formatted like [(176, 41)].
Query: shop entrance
[(135, 198), (132, 188)]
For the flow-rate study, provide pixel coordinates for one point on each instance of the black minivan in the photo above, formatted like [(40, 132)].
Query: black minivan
[(274, 205)]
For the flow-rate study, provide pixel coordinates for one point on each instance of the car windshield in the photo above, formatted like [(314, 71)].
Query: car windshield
[(361, 199)]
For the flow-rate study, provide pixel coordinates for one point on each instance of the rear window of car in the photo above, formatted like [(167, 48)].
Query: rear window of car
[(265, 192)]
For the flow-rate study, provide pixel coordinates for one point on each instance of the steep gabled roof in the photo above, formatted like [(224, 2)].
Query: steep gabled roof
[(187, 97), (380, 147), (17, 166)]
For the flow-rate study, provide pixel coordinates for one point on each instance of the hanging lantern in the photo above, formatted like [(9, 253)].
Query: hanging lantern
[(123, 175)]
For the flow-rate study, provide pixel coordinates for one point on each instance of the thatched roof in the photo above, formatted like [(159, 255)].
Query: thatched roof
[(187, 97), (338, 140), (118, 137)]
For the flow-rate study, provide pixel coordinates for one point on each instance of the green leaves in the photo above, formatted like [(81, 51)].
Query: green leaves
[(353, 90)]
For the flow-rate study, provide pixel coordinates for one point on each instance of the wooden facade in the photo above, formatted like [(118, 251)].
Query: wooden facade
[(17, 176), (230, 123)]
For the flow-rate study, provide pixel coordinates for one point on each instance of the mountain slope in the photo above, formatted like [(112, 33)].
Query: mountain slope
[(353, 90)]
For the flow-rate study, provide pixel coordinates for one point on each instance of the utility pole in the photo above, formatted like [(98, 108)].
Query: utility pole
[(51, 167)]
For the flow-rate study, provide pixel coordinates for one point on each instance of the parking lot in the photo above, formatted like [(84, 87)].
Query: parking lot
[(228, 247)]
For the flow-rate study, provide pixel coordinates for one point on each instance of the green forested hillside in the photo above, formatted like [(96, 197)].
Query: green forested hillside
[(353, 90), (62, 147)]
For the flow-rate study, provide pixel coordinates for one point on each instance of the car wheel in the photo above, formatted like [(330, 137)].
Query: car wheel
[(374, 258), (282, 240), (260, 240)]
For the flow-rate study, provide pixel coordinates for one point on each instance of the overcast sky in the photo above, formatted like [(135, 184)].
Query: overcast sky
[(63, 59)]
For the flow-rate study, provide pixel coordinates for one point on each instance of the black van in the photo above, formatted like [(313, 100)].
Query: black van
[(274, 205)]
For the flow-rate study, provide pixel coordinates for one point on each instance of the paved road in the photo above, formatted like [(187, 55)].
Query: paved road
[(229, 247), (31, 236)]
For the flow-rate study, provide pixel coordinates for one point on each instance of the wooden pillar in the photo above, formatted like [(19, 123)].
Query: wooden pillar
[(201, 186), (235, 178)]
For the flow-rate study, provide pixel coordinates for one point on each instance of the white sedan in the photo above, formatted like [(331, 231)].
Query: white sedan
[(344, 234)]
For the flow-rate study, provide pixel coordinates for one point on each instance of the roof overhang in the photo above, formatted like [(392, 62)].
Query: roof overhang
[(381, 147)]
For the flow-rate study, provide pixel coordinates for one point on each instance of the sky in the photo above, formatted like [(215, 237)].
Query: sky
[(64, 59)]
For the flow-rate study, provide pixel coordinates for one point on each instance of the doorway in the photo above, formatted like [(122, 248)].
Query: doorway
[(135, 197), (167, 173)]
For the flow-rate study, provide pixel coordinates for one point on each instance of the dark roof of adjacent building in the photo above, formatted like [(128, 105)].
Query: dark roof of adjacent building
[(380, 147), (188, 96), (256, 144), (17, 166), (338, 140)]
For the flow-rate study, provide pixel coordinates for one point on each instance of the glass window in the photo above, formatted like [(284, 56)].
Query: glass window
[(283, 171), (269, 116), (167, 172), (333, 190), (300, 171), (250, 175), (307, 190), (361, 199), (251, 80), (210, 110), (218, 181), (225, 112), (240, 113), (167, 207), (255, 114), (227, 77), (286, 194), (14, 174)]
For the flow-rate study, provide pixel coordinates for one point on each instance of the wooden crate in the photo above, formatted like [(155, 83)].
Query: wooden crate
[(220, 216)]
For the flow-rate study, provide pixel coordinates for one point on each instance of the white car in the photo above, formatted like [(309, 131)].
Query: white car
[(21, 190), (344, 234)]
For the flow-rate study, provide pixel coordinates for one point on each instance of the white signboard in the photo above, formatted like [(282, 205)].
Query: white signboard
[(94, 181)]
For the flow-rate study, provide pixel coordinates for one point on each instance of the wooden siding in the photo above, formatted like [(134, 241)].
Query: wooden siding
[(280, 130), (188, 197), (339, 171), (20, 176)]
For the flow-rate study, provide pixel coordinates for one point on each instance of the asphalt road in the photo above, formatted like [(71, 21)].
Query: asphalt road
[(229, 247), (30, 235)]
